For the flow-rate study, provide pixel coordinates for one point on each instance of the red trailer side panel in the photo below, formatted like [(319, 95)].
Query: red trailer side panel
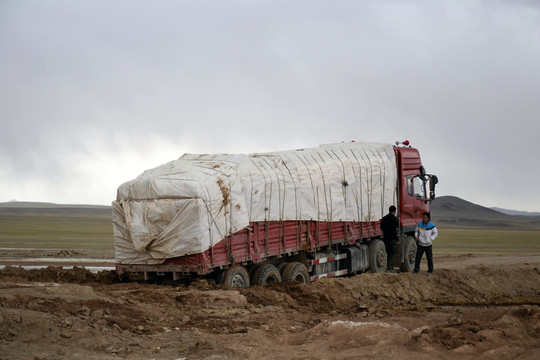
[(267, 239)]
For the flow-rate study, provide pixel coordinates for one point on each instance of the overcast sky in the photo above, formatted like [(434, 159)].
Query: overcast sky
[(92, 93)]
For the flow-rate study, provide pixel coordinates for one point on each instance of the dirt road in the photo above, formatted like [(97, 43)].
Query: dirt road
[(471, 308)]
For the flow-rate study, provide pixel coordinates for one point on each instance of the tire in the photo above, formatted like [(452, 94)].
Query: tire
[(266, 274), (252, 270), (236, 277), (282, 266), (409, 255), (295, 272), (254, 273), (377, 256)]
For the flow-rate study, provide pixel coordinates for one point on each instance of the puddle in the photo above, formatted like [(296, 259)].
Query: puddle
[(93, 269)]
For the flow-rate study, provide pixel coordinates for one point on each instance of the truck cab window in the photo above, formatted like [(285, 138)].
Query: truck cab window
[(416, 187), (419, 187)]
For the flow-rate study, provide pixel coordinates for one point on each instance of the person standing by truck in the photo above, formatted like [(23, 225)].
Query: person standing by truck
[(425, 233), (390, 229)]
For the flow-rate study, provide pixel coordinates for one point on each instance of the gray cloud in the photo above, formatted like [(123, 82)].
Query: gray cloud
[(93, 93)]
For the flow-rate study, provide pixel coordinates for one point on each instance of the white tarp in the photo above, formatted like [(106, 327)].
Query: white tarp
[(188, 205)]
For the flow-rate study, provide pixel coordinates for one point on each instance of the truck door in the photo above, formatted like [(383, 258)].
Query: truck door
[(420, 190), (416, 188)]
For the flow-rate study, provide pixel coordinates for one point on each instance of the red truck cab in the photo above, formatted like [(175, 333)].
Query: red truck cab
[(416, 188)]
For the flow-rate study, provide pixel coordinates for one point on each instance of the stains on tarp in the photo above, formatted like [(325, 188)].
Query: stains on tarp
[(224, 191)]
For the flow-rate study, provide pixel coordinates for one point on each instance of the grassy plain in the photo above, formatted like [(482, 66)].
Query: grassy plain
[(91, 230), (487, 242), (80, 229)]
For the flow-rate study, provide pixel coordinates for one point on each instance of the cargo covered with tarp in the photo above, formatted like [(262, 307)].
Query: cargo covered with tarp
[(188, 205)]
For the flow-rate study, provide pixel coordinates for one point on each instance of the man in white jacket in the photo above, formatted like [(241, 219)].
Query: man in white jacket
[(425, 233)]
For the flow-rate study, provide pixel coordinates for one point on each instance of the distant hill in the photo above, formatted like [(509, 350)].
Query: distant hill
[(516, 212), (41, 208), (30, 204), (451, 211), (446, 211)]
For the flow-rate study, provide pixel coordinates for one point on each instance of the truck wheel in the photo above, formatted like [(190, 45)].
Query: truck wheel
[(254, 273), (265, 274), (377, 256), (295, 272), (282, 266), (409, 252), (236, 276)]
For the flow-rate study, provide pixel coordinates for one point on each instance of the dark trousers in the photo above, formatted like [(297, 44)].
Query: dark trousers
[(391, 245), (420, 250)]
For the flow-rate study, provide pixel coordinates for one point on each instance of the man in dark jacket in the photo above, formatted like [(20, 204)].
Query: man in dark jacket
[(390, 229)]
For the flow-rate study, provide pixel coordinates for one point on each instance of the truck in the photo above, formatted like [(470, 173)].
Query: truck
[(290, 216)]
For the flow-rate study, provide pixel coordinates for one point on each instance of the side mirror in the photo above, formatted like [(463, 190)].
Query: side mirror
[(433, 180)]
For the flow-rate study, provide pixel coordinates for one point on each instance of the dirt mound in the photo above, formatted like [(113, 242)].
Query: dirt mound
[(470, 312), (479, 285), (59, 274)]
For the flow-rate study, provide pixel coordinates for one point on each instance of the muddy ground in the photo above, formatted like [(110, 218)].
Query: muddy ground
[(471, 308)]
